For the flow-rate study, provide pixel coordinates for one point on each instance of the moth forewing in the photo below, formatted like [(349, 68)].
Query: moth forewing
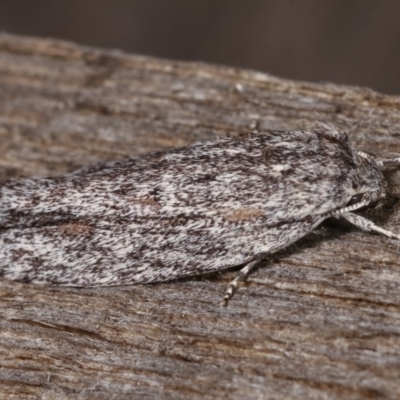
[(187, 211)]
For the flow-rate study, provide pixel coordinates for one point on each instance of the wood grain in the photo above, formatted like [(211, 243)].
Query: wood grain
[(318, 321)]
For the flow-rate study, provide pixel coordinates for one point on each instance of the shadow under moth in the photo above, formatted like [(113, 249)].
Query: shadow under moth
[(187, 211)]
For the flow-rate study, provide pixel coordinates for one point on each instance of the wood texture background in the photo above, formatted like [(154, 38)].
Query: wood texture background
[(318, 321)]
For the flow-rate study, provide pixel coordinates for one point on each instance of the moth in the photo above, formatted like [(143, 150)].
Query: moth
[(187, 211)]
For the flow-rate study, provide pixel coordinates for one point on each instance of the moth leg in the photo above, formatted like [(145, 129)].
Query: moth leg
[(243, 274), (255, 126), (367, 225)]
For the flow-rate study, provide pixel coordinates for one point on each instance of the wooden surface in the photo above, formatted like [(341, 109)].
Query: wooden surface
[(319, 321)]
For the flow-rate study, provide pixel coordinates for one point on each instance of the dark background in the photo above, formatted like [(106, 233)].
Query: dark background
[(354, 42)]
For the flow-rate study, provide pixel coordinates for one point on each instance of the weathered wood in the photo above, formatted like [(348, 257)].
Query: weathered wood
[(319, 321)]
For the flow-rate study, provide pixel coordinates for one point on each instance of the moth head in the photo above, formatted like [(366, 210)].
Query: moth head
[(369, 183)]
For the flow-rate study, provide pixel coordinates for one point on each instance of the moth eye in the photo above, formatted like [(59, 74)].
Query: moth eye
[(355, 199)]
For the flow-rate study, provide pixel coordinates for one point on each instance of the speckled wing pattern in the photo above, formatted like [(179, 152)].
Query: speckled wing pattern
[(187, 211)]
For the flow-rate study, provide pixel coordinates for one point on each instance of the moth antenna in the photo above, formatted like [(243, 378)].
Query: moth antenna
[(389, 162), (365, 155)]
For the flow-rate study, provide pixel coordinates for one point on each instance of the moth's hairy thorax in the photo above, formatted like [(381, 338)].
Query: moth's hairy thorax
[(369, 182)]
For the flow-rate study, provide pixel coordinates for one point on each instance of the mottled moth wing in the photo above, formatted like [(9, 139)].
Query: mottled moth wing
[(186, 211)]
